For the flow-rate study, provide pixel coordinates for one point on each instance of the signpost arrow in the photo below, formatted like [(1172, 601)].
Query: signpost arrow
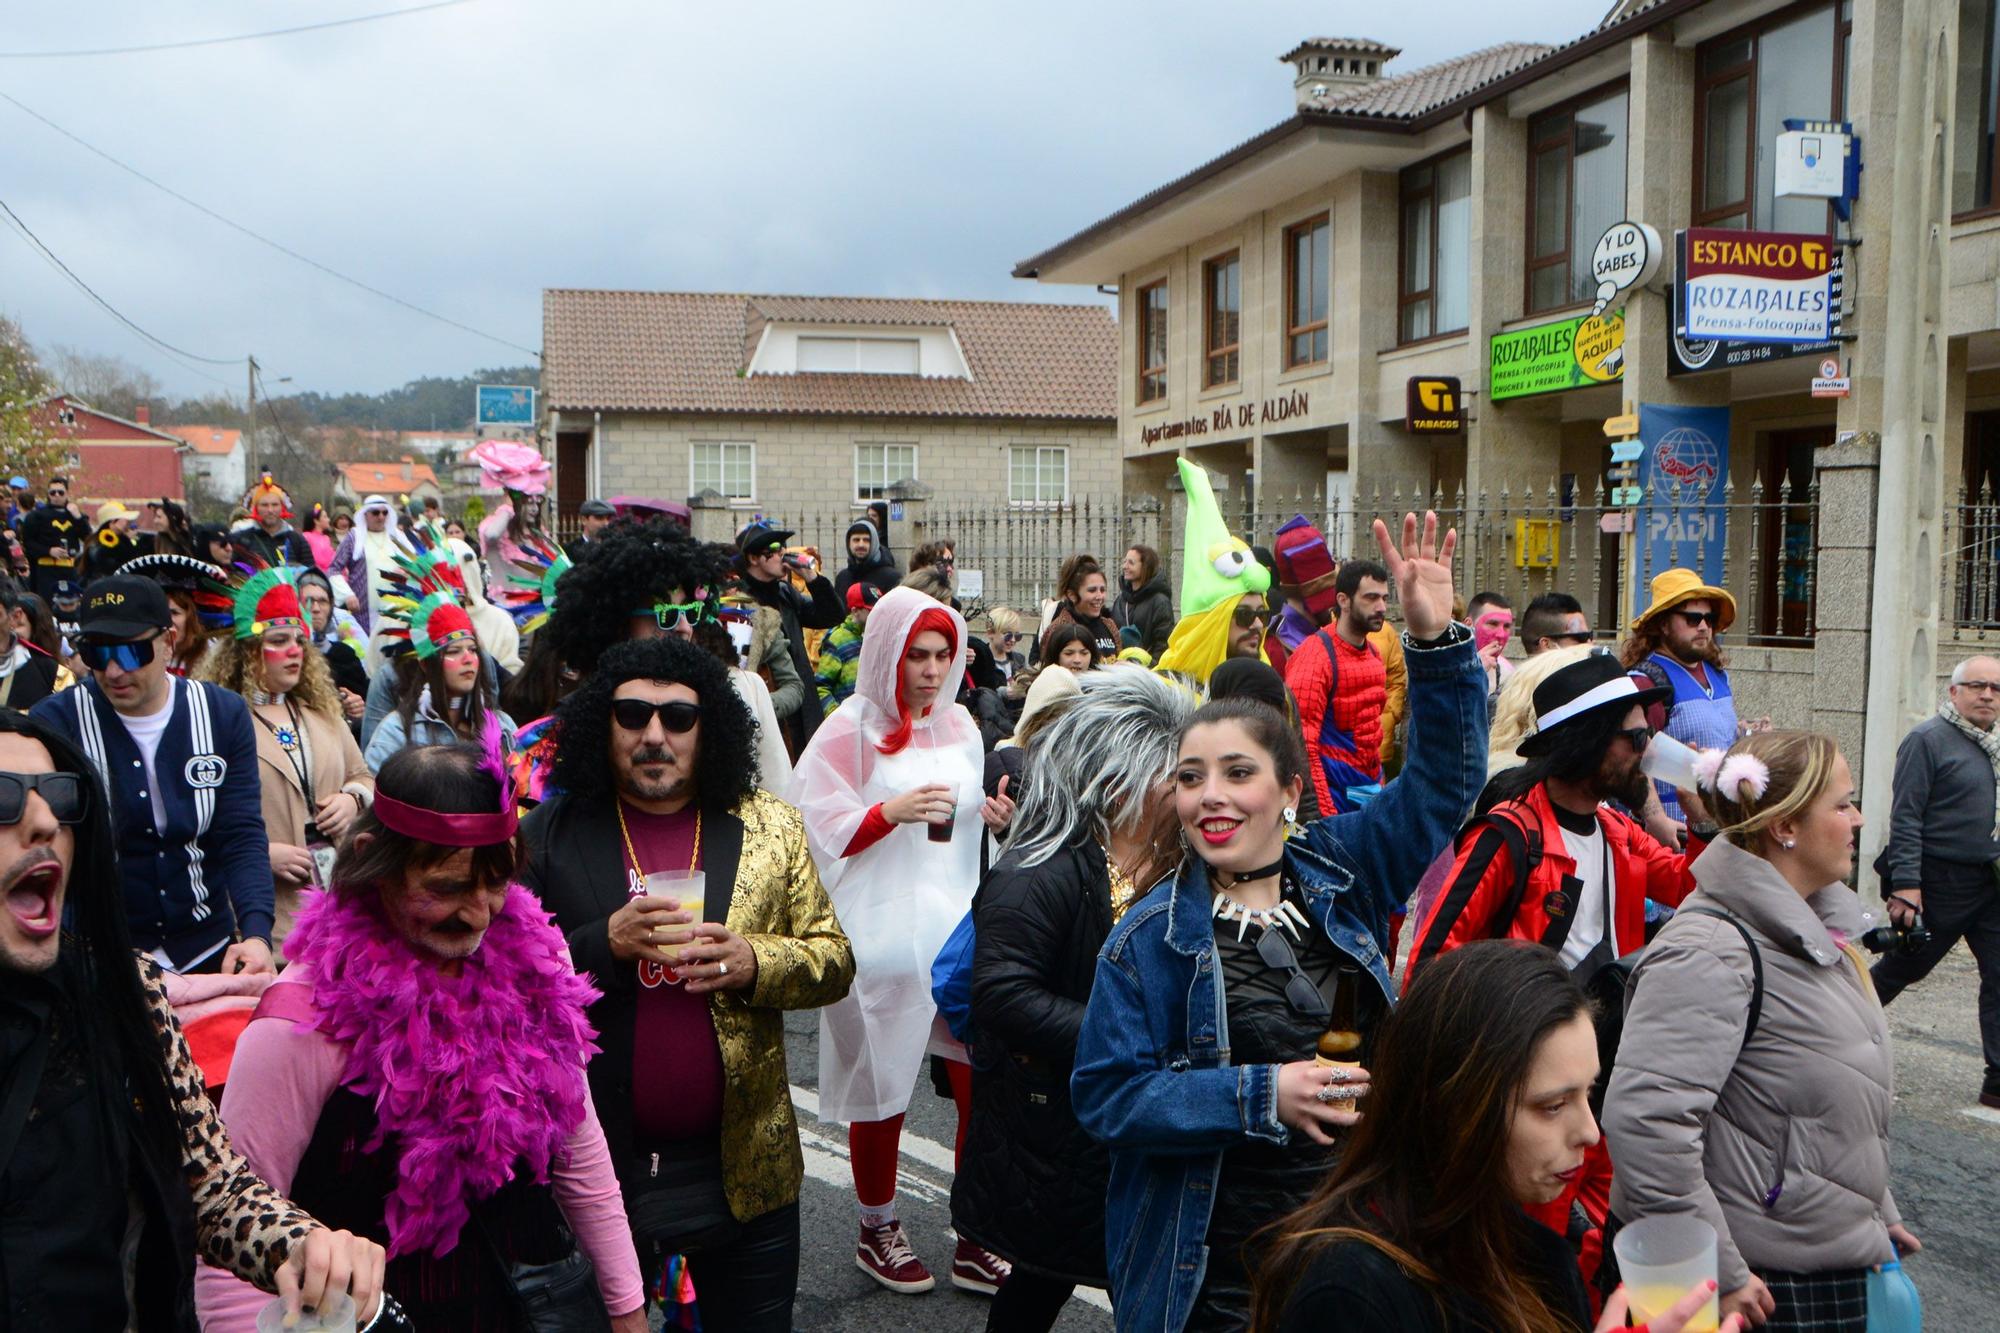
[(1627, 451), (1619, 427), (1626, 496)]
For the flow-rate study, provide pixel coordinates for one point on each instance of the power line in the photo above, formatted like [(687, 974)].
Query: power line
[(179, 353), (257, 374), (220, 41), (261, 239)]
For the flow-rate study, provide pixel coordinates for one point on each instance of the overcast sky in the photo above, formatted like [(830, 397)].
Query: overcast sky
[(467, 157)]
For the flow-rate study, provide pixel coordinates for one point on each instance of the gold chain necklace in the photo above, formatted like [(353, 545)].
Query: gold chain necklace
[(632, 854)]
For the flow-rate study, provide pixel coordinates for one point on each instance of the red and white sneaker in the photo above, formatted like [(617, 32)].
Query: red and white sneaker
[(884, 1254), (975, 1269)]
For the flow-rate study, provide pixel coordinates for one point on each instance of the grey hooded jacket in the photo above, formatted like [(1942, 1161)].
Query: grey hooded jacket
[(1782, 1146)]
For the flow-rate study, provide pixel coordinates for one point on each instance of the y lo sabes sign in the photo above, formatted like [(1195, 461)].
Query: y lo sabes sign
[(1759, 286)]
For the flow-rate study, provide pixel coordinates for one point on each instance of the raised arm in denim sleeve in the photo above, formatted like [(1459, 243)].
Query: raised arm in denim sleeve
[(1391, 841), (1130, 1094)]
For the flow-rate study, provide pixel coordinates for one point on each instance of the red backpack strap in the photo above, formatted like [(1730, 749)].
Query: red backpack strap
[(291, 1001)]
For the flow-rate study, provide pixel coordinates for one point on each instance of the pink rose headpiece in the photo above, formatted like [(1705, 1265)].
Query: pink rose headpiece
[(513, 467)]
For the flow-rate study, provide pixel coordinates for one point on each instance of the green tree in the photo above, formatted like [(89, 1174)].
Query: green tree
[(26, 447), (475, 512)]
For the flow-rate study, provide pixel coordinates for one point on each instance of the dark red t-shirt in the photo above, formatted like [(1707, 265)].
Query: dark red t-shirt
[(676, 1061)]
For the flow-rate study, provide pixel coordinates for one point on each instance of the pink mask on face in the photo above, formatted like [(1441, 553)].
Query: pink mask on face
[(1492, 629)]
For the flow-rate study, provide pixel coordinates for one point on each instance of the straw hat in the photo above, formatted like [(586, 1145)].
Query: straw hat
[(1684, 585)]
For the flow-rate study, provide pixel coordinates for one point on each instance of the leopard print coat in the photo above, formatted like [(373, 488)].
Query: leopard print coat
[(241, 1224)]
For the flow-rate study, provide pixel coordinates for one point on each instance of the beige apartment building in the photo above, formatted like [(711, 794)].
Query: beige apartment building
[(1281, 305)]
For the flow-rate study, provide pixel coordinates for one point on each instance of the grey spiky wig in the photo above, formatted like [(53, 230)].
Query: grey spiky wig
[(1091, 768)]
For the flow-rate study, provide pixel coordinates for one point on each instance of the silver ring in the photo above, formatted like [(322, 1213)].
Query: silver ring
[(722, 969), (1338, 1075), (1327, 1096)]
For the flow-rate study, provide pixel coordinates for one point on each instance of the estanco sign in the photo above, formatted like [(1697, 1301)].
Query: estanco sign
[(1755, 286)]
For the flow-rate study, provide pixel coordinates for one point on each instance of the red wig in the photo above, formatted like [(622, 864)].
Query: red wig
[(934, 619)]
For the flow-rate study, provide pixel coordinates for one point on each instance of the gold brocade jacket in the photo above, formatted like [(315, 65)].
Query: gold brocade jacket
[(576, 864)]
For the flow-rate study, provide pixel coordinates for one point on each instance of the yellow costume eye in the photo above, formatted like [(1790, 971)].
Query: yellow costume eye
[(1231, 564)]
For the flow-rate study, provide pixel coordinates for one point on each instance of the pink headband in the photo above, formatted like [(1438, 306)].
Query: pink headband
[(414, 821)]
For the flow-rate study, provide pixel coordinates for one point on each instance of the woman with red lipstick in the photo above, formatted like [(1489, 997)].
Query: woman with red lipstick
[(1493, 1049), (1196, 1061), (890, 790), (313, 780)]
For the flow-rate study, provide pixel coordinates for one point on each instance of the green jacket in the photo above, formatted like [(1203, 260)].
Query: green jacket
[(839, 664)]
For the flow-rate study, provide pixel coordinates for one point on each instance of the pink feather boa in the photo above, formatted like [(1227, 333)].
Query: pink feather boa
[(471, 1074)]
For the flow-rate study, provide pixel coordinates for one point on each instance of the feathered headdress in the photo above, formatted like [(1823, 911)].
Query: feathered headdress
[(266, 487), (422, 596), (527, 590), (254, 598)]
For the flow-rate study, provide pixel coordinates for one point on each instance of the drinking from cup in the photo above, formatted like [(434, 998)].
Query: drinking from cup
[(1667, 760)]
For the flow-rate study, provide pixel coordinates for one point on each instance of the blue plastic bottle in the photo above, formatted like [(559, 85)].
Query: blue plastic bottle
[(1893, 1304)]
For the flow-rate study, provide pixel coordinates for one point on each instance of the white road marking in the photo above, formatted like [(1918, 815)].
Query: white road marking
[(826, 1157), (1986, 1113)]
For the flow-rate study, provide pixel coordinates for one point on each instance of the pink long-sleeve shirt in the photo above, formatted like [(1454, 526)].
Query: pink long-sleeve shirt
[(281, 1079)]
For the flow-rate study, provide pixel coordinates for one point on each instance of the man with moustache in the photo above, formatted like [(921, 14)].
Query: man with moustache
[(1674, 642), (114, 1173), (1342, 684), (178, 759), (656, 773)]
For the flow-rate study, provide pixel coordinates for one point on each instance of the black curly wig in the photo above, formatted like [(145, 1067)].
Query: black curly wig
[(726, 764), (630, 566)]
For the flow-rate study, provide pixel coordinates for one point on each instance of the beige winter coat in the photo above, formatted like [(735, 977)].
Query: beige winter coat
[(1790, 1161)]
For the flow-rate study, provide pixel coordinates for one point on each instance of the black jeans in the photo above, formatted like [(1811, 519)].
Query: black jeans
[(1960, 902), (745, 1273), (1027, 1303)]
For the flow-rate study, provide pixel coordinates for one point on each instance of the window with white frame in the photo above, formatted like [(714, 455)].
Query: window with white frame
[(727, 467), (877, 467), (1038, 474), (867, 356)]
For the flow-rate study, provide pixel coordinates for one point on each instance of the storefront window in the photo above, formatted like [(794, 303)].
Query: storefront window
[(1749, 84), (1222, 318), (1153, 342), (1306, 290), (1437, 234), (1576, 190)]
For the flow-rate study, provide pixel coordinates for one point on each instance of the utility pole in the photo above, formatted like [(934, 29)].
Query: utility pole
[(250, 430)]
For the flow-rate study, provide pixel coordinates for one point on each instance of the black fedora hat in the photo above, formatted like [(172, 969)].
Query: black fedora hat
[(1583, 689)]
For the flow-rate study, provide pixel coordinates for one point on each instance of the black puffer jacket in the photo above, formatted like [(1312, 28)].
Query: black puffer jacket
[(1151, 609), (1032, 1185)]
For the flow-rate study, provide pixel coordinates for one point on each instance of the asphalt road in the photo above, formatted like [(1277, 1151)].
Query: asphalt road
[(1947, 1161)]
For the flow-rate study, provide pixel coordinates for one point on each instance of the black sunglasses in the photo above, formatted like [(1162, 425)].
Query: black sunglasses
[(1581, 636), (66, 794), (1696, 619), (129, 655), (1636, 737), (676, 715), (1246, 616), (1300, 993)]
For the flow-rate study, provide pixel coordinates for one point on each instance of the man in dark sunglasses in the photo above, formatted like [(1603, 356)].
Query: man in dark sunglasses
[(1675, 643), (179, 759), (1553, 620), (761, 553)]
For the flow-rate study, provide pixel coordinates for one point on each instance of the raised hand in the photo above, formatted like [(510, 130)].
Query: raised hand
[(1421, 571)]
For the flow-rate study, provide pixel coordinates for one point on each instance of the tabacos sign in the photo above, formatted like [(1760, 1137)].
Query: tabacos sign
[(1755, 286), (1548, 358)]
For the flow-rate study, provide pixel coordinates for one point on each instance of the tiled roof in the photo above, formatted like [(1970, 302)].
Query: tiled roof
[(386, 477), (687, 352), (1365, 45), (1420, 90), (208, 439)]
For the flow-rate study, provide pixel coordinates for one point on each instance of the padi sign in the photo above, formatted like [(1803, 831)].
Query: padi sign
[(1755, 286)]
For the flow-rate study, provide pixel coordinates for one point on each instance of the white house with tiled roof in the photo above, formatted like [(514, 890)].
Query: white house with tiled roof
[(784, 405)]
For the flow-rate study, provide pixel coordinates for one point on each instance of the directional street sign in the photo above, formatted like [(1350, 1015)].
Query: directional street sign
[(1627, 496), (1627, 451), (1621, 426)]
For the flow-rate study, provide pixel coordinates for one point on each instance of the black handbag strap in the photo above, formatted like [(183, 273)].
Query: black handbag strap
[(1756, 967)]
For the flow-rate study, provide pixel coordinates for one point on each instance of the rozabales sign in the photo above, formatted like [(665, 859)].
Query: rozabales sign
[(1229, 417), (1689, 356), (1755, 286), (1548, 358)]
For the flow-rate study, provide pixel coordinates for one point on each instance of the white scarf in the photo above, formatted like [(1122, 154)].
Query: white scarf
[(1987, 740)]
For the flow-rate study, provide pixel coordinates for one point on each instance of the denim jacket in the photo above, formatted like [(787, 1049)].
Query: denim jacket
[(1153, 1077)]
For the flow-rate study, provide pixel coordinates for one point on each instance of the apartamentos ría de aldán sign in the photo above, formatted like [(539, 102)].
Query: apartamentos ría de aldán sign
[(1755, 286), (1230, 417)]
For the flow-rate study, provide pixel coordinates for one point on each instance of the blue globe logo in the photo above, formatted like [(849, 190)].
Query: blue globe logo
[(1686, 466)]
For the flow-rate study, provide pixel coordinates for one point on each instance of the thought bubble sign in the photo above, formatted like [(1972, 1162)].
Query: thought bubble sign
[(1627, 255)]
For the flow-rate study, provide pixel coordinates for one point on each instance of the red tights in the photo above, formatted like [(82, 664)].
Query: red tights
[(873, 1144)]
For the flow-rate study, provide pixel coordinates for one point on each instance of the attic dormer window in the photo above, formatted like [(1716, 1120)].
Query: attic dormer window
[(868, 356)]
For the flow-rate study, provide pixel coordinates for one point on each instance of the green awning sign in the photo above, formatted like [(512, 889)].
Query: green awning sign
[(1548, 358)]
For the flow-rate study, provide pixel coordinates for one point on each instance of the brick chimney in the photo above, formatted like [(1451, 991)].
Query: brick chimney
[(1325, 67), (145, 414)]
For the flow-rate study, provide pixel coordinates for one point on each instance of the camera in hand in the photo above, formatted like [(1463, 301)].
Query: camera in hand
[(1896, 940)]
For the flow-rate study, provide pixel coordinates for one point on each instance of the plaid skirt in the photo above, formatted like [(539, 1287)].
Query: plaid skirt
[(1831, 1302)]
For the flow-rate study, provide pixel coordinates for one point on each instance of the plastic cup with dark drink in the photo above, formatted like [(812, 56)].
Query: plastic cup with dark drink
[(940, 829)]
